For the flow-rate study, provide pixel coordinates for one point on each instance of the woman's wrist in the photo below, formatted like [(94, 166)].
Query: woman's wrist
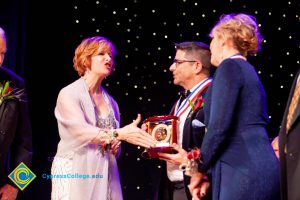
[(107, 136), (115, 134)]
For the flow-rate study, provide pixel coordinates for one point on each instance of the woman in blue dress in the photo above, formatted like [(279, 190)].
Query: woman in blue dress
[(236, 148)]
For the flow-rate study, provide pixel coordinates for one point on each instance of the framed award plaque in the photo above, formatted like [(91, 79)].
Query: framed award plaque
[(163, 129)]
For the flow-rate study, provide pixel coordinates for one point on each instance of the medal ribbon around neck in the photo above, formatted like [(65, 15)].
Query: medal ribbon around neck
[(238, 56), (180, 109)]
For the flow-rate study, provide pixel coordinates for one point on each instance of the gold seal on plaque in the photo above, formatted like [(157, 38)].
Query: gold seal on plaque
[(161, 133)]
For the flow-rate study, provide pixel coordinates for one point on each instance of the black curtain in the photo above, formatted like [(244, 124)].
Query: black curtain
[(37, 51), (13, 18)]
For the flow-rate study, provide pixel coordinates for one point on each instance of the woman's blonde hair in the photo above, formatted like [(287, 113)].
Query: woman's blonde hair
[(241, 29), (90, 47)]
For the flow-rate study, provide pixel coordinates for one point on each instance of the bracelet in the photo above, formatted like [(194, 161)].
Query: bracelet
[(115, 134), (107, 136)]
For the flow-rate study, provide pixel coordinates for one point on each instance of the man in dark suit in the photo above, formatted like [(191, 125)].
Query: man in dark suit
[(15, 128), (289, 145), (191, 70)]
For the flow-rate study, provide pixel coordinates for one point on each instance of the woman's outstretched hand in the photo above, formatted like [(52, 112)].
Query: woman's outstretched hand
[(131, 133)]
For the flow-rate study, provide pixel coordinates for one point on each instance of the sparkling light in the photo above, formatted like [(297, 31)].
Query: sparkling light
[(144, 33)]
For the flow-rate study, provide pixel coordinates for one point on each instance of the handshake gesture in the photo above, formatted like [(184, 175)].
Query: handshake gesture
[(131, 133)]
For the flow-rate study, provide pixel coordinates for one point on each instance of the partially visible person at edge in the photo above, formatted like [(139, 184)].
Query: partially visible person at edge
[(88, 121), (191, 70), (275, 145), (15, 126), (236, 146), (289, 144)]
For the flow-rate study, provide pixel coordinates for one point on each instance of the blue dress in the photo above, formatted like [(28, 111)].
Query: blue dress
[(236, 148)]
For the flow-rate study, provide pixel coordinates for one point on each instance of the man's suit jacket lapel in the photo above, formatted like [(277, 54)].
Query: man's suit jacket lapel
[(297, 114), (2, 107), (186, 136), (173, 109), (186, 139), (187, 129)]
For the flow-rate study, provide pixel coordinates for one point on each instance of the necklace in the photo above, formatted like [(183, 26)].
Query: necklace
[(238, 56)]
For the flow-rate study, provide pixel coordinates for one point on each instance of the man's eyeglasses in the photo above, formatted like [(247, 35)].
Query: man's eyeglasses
[(178, 62)]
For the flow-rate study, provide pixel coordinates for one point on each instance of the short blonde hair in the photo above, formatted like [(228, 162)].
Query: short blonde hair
[(2, 32), (90, 47), (242, 30)]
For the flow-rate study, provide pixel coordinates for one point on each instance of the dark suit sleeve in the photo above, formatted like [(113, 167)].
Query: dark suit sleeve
[(9, 111), (15, 129), (173, 109), (21, 148), (225, 92)]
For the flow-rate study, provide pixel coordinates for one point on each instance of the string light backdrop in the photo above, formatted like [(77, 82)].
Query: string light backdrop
[(144, 33)]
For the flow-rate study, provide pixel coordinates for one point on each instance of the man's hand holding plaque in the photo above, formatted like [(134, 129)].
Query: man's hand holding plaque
[(163, 129)]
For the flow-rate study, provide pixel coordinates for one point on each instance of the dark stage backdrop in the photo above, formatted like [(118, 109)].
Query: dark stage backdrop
[(13, 19), (144, 33)]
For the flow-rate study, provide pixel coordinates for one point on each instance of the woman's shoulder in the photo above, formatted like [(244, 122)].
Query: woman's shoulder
[(9, 75), (229, 70), (230, 65), (233, 63), (73, 88)]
